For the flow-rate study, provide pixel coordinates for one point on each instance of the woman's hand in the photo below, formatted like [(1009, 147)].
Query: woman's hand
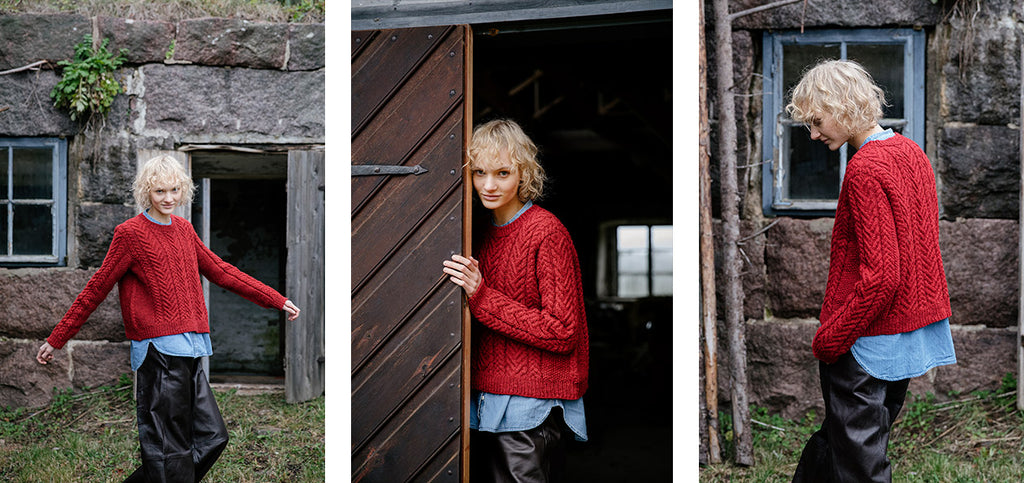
[(293, 311), (45, 353), (465, 272)]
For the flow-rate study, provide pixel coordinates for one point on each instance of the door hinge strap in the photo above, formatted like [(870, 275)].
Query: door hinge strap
[(381, 170)]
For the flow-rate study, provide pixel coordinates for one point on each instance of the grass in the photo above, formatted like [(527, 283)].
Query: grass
[(175, 10), (91, 436), (971, 438)]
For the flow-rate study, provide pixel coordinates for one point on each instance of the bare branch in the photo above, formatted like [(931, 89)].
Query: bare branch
[(767, 6), (762, 230), (33, 66)]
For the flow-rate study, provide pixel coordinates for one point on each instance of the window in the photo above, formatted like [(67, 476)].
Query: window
[(804, 177), (640, 263), (32, 200)]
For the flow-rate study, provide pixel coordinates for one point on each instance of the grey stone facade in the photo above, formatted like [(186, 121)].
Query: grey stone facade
[(199, 81), (972, 138)]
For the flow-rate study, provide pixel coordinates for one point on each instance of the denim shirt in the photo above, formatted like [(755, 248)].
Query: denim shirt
[(895, 357), (189, 344), (497, 413)]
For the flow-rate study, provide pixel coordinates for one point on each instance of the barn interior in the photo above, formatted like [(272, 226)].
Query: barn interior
[(595, 94)]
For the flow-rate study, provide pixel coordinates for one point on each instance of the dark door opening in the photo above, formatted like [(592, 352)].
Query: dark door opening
[(240, 212), (596, 98)]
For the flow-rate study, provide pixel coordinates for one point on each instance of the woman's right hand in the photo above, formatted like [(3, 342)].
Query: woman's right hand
[(45, 353), (465, 272)]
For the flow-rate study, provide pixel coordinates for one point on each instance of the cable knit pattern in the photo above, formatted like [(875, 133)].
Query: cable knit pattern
[(885, 273), (531, 339), (157, 268)]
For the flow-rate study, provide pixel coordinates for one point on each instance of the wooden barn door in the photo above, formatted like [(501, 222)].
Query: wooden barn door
[(410, 104)]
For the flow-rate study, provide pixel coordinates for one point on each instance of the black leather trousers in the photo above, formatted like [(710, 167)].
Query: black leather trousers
[(859, 410), (181, 432), (535, 455)]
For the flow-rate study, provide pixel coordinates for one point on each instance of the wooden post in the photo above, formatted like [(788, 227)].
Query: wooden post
[(709, 313), (1020, 267), (731, 234)]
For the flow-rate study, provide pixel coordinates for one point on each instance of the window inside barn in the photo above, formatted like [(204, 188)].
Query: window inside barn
[(32, 200), (642, 261), (801, 176)]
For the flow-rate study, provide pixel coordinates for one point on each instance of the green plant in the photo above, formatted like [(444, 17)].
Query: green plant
[(87, 85), (300, 9), (170, 51)]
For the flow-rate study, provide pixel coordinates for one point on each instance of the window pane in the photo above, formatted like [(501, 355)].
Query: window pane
[(3, 229), (662, 236), (33, 173), (813, 171), (33, 230), (885, 64), (3, 172), (799, 58), (631, 237), (662, 261), (662, 285), (633, 262), (632, 286)]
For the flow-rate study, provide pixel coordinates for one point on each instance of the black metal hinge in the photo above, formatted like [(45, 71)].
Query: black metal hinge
[(381, 170)]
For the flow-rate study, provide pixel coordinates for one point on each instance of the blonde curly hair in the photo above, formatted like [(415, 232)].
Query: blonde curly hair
[(163, 171), (841, 88), (491, 138)]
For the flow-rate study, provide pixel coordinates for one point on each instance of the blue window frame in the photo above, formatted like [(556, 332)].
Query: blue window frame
[(801, 176), (33, 190)]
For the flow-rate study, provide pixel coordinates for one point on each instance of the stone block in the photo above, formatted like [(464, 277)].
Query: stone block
[(146, 40), (98, 363), (228, 105), (27, 38), (751, 271), (859, 13), (306, 46), (980, 65), (984, 356), (231, 42), (102, 165), (96, 223), (796, 266), (980, 257), (25, 382), (979, 171), (30, 109), (782, 372), (35, 300)]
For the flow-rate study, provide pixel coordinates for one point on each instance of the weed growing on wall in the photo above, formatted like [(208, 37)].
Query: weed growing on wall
[(87, 85)]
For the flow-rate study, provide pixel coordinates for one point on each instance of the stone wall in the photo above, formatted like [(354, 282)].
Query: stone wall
[(197, 81), (972, 138)]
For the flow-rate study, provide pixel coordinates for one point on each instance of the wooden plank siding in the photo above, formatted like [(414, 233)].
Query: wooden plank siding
[(408, 108), (305, 342)]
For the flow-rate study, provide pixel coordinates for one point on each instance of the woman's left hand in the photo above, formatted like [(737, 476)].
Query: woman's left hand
[(465, 272), (293, 311)]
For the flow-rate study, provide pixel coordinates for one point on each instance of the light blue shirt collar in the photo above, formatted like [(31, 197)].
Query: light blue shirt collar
[(520, 212), (154, 219), (879, 136)]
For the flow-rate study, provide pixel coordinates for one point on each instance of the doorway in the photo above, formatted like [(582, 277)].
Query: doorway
[(595, 95), (240, 212)]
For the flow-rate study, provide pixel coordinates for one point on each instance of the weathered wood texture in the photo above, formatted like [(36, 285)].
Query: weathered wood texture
[(408, 105), (305, 343)]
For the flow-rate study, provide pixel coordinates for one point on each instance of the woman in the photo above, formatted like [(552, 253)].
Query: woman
[(530, 346), (156, 260)]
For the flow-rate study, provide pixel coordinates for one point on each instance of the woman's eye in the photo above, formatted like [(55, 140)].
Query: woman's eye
[(503, 173)]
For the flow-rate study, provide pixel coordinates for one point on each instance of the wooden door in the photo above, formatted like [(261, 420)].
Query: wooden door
[(304, 280), (410, 104)]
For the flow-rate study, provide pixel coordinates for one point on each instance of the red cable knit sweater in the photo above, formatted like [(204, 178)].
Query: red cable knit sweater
[(885, 274), (157, 270), (531, 339)]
